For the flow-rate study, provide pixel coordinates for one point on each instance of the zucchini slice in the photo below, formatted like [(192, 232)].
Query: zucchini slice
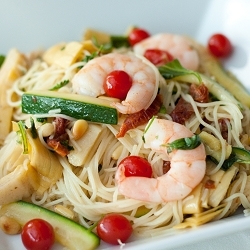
[(76, 106), (67, 232)]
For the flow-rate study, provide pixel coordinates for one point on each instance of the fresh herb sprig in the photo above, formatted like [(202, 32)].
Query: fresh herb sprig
[(174, 69), (23, 136), (186, 143), (2, 58), (59, 85)]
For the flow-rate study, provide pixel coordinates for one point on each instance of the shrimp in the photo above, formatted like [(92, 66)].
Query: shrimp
[(187, 167), (145, 80), (178, 46)]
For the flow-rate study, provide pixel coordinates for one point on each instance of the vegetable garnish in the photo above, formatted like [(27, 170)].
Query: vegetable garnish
[(184, 143), (103, 48), (73, 105), (60, 85), (24, 140), (33, 128), (38, 234), (174, 69), (87, 58), (240, 155), (220, 46), (119, 41), (148, 126), (136, 35), (114, 229), (2, 58)]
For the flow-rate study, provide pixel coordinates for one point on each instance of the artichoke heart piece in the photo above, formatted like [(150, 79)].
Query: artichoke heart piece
[(213, 146), (87, 144), (201, 218), (192, 204), (10, 71), (63, 54), (99, 36), (45, 163), (15, 185), (218, 194), (247, 188), (11, 154)]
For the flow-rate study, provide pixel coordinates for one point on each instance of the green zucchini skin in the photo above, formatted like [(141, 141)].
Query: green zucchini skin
[(67, 232), (81, 107)]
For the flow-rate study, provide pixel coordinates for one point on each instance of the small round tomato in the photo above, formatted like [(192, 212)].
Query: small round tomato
[(38, 234), (137, 35), (114, 229), (220, 46), (136, 166), (158, 57), (117, 84)]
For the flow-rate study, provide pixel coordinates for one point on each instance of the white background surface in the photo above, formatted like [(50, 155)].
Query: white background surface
[(33, 24)]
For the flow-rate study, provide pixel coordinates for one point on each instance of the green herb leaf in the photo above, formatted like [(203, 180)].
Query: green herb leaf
[(147, 127), (183, 143), (2, 58), (91, 56), (65, 143), (163, 110), (42, 119), (103, 48), (60, 85), (175, 69), (33, 128), (22, 131), (119, 41)]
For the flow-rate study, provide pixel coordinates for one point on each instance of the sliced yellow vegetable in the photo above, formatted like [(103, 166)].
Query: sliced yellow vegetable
[(192, 204), (218, 194), (87, 143), (100, 37), (213, 146), (63, 54), (201, 218), (45, 163), (11, 70), (15, 185)]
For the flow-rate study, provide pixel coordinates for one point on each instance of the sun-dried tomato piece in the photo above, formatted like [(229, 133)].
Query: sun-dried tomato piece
[(140, 117), (209, 184), (200, 93), (182, 111), (57, 147)]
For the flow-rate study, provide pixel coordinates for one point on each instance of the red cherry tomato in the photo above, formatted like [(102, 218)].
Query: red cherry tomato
[(220, 46), (136, 166), (114, 228), (117, 84), (158, 57), (38, 234), (137, 35)]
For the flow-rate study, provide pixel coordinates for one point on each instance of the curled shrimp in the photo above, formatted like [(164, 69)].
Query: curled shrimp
[(145, 80), (187, 167), (178, 46)]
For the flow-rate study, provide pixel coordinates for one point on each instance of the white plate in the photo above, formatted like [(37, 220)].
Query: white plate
[(29, 25)]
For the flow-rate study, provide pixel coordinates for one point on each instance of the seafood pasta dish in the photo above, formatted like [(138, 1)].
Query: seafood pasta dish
[(149, 129)]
